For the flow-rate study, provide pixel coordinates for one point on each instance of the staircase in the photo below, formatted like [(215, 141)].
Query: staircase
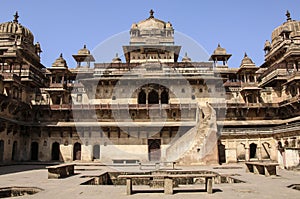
[(197, 146)]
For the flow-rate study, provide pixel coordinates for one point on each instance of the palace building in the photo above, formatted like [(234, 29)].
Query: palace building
[(154, 105)]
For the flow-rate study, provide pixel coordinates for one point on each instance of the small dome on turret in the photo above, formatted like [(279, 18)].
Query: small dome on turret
[(168, 25), (83, 51), (60, 62), (220, 51), (246, 60), (134, 26), (116, 59), (186, 58), (267, 45)]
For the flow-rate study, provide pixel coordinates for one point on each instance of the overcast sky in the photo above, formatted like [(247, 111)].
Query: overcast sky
[(65, 26)]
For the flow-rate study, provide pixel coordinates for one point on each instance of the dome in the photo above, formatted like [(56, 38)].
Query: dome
[(246, 60), (220, 51), (83, 51), (290, 26), (186, 58), (14, 27), (151, 23), (116, 59), (60, 62)]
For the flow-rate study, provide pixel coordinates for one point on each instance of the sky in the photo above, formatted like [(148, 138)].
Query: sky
[(64, 26)]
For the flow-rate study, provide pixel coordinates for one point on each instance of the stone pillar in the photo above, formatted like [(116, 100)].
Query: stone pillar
[(168, 185), (128, 186), (247, 151)]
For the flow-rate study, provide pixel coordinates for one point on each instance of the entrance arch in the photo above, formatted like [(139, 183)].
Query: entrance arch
[(55, 152), (34, 151), (14, 151), (142, 97), (154, 149), (96, 152), (77, 151), (1, 150), (253, 148), (153, 97)]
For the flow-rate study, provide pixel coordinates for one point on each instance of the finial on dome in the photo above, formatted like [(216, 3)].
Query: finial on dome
[(288, 15), (84, 46), (245, 55), (219, 45), (151, 14), (16, 16), (61, 55)]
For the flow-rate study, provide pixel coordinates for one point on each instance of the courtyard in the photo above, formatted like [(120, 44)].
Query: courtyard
[(253, 186)]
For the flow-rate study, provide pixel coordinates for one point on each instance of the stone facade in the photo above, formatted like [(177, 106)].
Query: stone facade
[(152, 107)]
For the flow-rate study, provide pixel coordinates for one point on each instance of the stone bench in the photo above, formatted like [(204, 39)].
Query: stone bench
[(263, 168), (60, 171), (168, 181)]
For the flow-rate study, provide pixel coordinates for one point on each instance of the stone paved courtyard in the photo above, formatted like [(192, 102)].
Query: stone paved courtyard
[(256, 186)]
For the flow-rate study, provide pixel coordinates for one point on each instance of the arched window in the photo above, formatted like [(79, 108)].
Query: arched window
[(142, 97), (165, 97), (253, 148), (55, 152), (14, 151), (1, 150), (34, 151), (96, 152), (153, 97), (77, 151)]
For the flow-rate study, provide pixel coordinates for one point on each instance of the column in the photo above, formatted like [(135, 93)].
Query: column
[(128, 186), (168, 185), (247, 151), (258, 152)]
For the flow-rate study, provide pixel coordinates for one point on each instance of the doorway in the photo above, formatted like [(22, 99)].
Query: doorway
[(222, 156), (253, 150), (154, 152), (55, 151), (14, 151), (34, 151), (96, 152), (153, 97), (1, 150), (77, 151)]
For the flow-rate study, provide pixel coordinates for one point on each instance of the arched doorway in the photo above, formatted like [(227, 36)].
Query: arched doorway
[(14, 151), (241, 152), (96, 152), (34, 151), (142, 97), (253, 150), (77, 151), (165, 97), (55, 152), (153, 97), (222, 156), (1, 150), (154, 150)]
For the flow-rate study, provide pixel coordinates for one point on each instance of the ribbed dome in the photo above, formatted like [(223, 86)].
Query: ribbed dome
[(14, 27), (290, 25), (84, 51)]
